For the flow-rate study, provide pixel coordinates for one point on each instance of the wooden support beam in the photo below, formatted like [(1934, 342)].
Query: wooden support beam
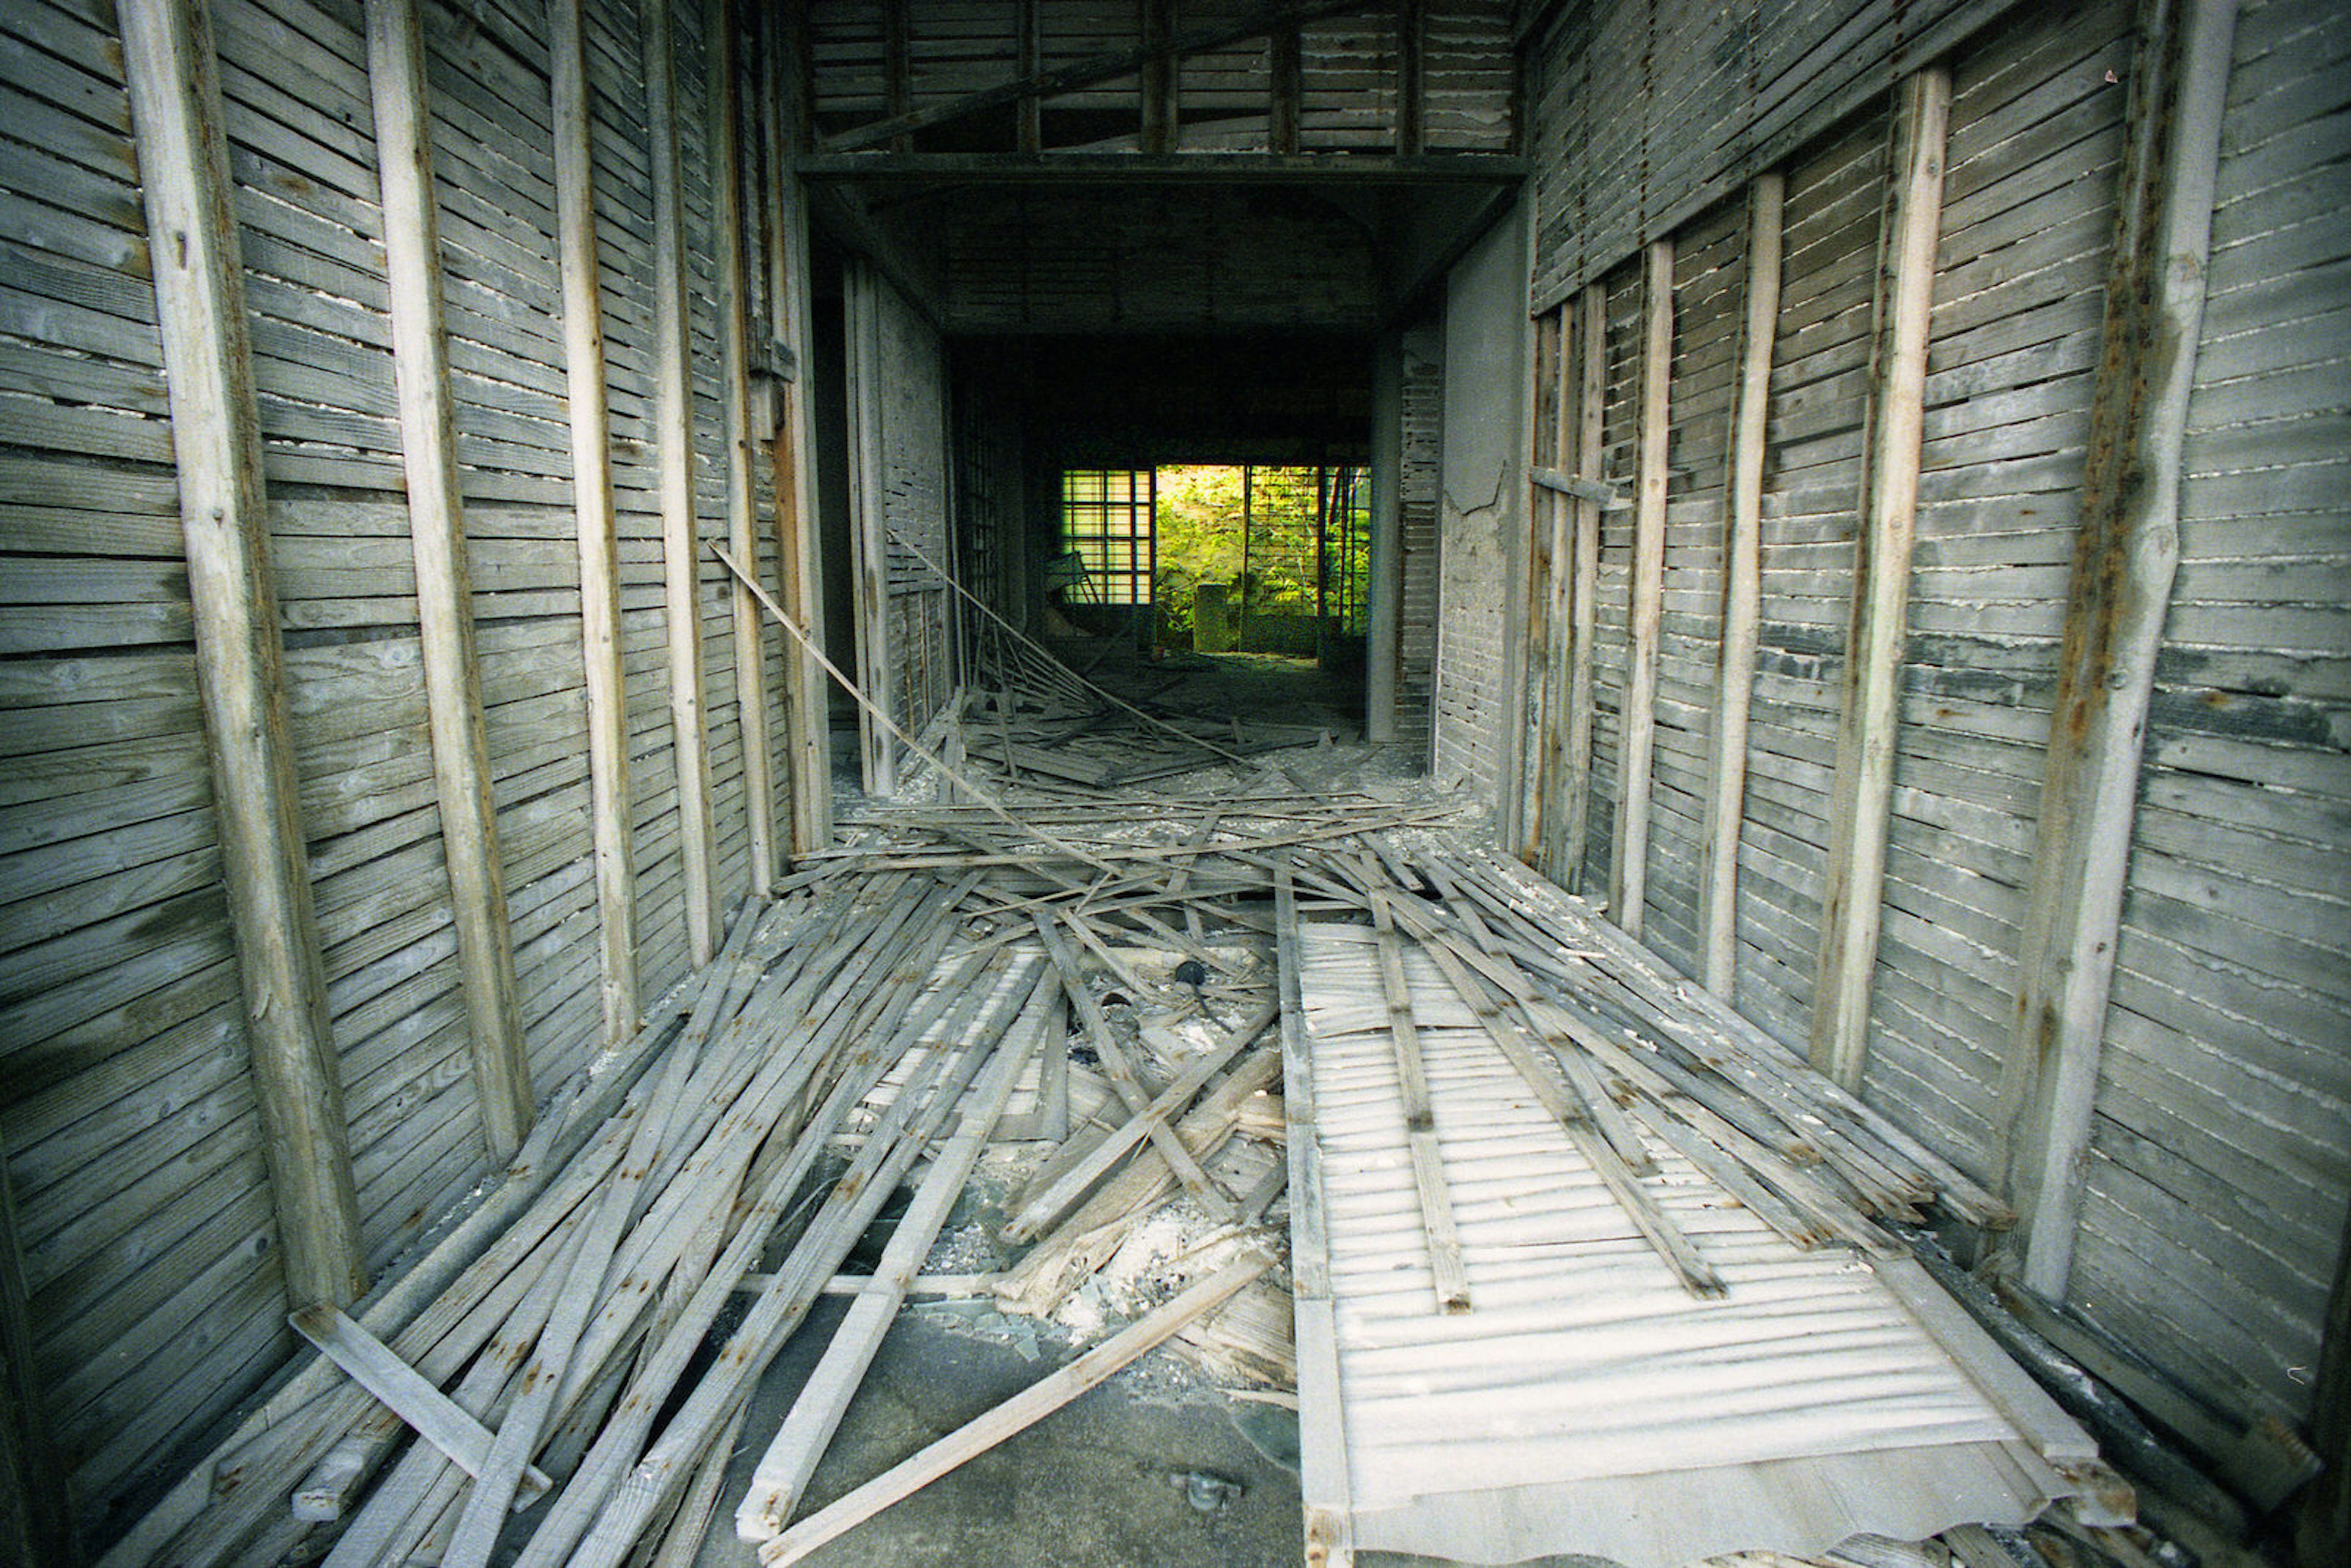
[(1029, 113), (1448, 1274), (870, 555), (897, 68), (2125, 554), (1384, 640), (1628, 878), (1497, 174), (1411, 90), (594, 519), (1554, 372), (807, 739), (1286, 75), (674, 452), (174, 77), (437, 527), (1325, 1495), (1591, 400), (1870, 718), (1091, 70), (36, 1518), (1159, 76), (723, 106), (1742, 589)]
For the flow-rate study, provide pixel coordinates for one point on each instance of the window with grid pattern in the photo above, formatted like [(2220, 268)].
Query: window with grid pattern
[(1106, 524)]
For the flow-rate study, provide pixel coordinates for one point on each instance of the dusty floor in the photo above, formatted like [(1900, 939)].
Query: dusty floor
[(1119, 1478)]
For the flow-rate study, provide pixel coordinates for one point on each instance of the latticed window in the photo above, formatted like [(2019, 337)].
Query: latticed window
[(1106, 534)]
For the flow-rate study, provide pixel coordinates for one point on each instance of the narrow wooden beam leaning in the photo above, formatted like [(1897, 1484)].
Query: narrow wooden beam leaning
[(437, 527), (1629, 880), (1742, 589), (728, 226), (174, 77), (2125, 554), (674, 445), (591, 501), (1868, 727), (1591, 312)]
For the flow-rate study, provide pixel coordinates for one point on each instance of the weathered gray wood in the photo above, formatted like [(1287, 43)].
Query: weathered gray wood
[(1591, 318), (722, 105), (1087, 72), (1160, 119), (1449, 1277), (673, 428), (174, 79), (1384, 648), (1028, 121), (2126, 553), (436, 1417), (807, 733), (1861, 799), (868, 552), (461, 760), (594, 519), (782, 1473), (1411, 78), (35, 1507), (1742, 587), (1285, 78), (1628, 880)]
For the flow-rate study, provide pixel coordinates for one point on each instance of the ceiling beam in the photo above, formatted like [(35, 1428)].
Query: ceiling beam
[(1167, 169)]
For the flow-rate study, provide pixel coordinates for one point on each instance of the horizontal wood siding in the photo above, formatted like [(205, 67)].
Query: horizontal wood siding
[(1708, 296), (1643, 115), (1812, 489), (126, 1106), (127, 1111), (1347, 88), (1611, 590), (914, 508), (2219, 1161)]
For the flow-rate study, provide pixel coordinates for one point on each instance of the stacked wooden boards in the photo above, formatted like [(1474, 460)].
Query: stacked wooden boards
[(1612, 1347)]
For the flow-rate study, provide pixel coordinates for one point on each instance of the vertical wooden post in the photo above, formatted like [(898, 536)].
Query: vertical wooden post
[(37, 1516), (808, 741), (1628, 879), (1029, 114), (674, 443), (1412, 37), (1590, 405), (593, 519), (1742, 589), (2125, 554), (1553, 370), (868, 498), (436, 527), (1286, 74), (174, 77), (897, 65), (1870, 717), (1384, 616), (1159, 78), (723, 104)]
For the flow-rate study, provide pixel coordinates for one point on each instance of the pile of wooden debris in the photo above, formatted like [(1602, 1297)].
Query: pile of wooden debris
[(1110, 985)]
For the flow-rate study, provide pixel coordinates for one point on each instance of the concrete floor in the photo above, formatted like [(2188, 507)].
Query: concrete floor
[(1094, 1485)]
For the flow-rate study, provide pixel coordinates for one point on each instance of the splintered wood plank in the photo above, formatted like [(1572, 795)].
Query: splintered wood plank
[(1015, 1415), (436, 1417), (1443, 1236)]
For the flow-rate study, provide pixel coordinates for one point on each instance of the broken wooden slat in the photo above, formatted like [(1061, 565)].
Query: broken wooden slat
[(1041, 1210), (1450, 1276), (1014, 1415), (782, 1474)]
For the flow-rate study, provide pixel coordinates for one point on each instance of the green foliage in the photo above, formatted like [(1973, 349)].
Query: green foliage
[(1199, 539)]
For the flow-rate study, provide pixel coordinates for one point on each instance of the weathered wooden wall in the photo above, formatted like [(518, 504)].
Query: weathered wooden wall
[(127, 1108), (2212, 1195), (1344, 98)]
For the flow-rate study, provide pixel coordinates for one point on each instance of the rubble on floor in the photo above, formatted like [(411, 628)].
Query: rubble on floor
[(1070, 1024)]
